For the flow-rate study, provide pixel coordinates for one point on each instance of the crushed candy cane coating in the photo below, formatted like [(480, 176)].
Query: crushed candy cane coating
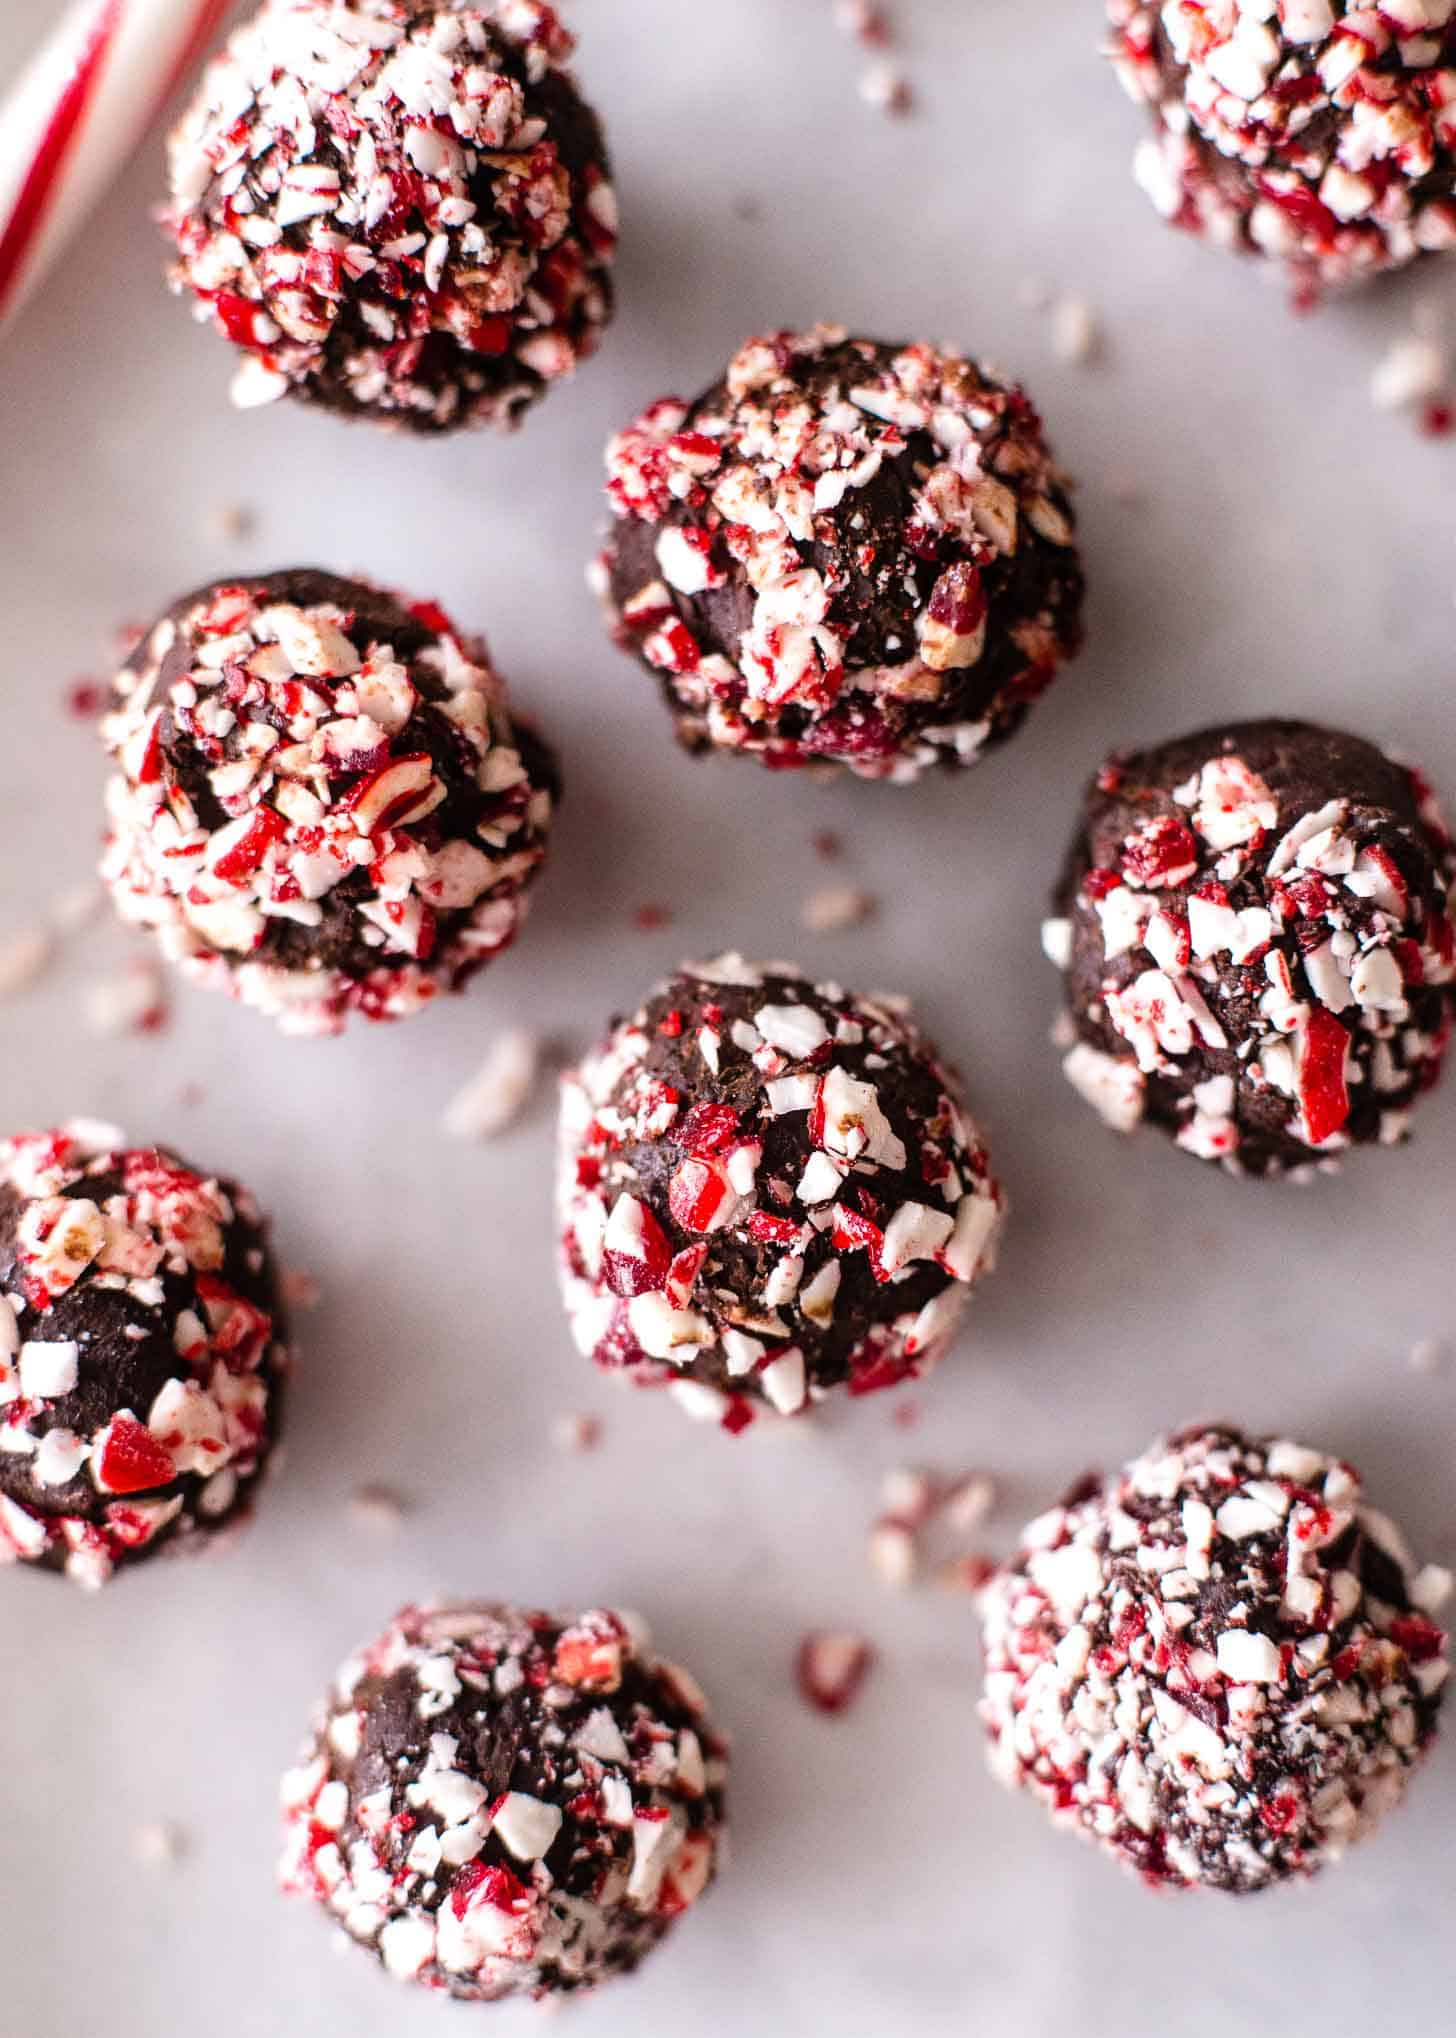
[(843, 553), (321, 804), (1314, 132), (498, 1802), (1220, 1664), (768, 1189), (1254, 928), (398, 209), (143, 1352)]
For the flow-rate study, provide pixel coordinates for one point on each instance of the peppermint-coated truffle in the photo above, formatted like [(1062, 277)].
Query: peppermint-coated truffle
[(768, 1189), (1318, 133), (843, 553), (1254, 928), (1220, 1665), (399, 209), (321, 803), (498, 1802), (143, 1352)]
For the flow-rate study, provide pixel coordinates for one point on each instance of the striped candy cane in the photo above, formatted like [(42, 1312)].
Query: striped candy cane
[(77, 114)]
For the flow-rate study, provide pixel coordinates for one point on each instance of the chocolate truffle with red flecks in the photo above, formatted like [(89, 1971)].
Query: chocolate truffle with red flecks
[(399, 209), (1220, 1665), (769, 1189), (843, 553), (1254, 925), (498, 1802), (1315, 132), (322, 804), (143, 1352)]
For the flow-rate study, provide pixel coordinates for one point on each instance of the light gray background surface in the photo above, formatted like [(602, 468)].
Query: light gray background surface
[(1293, 552)]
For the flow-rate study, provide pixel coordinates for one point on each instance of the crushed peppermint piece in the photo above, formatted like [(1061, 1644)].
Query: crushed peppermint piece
[(1312, 132), (970, 1573), (1255, 934), (158, 1845), (497, 1095), (1077, 336), (843, 552), (1414, 370), (863, 20), (835, 908), (501, 1802), (24, 959), (1429, 1355), (233, 521), (893, 1552), (768, 1190), (74, 909), (300, 1289), (379, 1509), (885, 87), (84, 699), (400, 210), (321, 804), (1214, 1664), (576, 1433), (134, 1000), (831, 1668), (143, 1359)]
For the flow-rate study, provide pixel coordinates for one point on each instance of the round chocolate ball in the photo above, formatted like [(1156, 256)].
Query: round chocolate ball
[(321, 804), (769, 1189), (1220, 1665), (843, 553), (1255, 933), (1314, 132), (401, 210), (143, 1352), (498, 1802)]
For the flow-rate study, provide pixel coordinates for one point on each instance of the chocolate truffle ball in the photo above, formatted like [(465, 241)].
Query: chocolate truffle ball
[(1218, 1665), (1255, 932), (400, 210), (843, 553), (321, 803), (143, 1352), (769, 1189), (1314, 132), (499, 1802)]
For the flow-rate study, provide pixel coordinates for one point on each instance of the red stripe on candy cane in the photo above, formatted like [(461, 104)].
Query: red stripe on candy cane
[(55, 147)]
